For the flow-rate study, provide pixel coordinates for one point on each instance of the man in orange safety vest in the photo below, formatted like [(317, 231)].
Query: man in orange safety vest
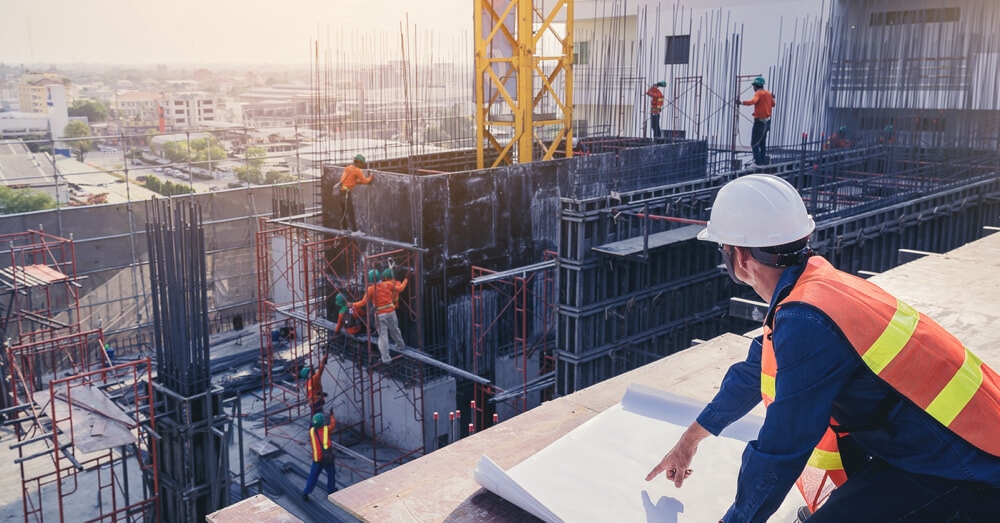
[(876, 412)]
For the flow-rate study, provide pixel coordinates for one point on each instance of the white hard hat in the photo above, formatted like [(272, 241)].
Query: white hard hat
[(758, 210)]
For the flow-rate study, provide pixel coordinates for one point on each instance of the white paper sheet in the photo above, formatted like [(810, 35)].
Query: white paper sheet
[(597, 472)]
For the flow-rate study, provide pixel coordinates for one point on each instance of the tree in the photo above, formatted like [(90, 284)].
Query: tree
[(205, 152), (23, 200), (166, 188), (75, 134), (254, 161), (176, 152), (94, 110), (273, 177)]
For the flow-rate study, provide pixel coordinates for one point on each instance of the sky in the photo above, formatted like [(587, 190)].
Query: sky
[(209, 31)]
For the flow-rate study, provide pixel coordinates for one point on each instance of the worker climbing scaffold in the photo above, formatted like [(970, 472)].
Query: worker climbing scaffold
[(383, 295)]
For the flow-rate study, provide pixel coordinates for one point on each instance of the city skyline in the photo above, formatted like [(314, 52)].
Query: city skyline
[(51, 32)]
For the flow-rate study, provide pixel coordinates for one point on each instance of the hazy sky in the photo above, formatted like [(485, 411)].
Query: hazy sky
[(207, 31)]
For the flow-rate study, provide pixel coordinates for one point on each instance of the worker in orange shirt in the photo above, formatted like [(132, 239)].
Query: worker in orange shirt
[(763, 103), (655, 106), (314, 385), (382, 296), (351, 177), (347, 317), (837, 140)]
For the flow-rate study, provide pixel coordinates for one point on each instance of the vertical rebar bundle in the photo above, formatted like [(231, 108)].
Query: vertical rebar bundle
[(176, 243), (193, 426)]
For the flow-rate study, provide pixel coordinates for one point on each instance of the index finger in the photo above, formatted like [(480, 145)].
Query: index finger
[(655, 472)]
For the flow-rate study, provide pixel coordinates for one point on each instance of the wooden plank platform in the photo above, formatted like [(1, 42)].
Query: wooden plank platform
[(256, 509)]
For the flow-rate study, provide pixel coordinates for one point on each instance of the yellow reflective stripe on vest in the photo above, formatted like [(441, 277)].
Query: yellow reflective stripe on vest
[(767, 385), (892, 340), (959, 390), (825, 460)]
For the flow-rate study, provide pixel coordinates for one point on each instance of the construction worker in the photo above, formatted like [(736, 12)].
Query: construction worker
[(347, 317), (888, 135), (351, 177), (838, 140), (655, 106), (314, 385), (763, 103), (862, 391), (319, 441), (382, 295)]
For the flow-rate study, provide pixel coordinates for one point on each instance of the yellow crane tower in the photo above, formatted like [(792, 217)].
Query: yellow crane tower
[(524, 80)]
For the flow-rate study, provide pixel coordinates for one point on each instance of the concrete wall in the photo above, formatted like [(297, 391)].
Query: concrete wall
[(399, 406), (110, 258), (498, 219), (509, 376)]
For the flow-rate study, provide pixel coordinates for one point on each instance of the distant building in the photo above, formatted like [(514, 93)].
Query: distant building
[(136, 112), (31, 91), (51, 121), (189, 110)]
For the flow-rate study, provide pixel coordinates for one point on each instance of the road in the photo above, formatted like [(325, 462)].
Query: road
[(115, 161)]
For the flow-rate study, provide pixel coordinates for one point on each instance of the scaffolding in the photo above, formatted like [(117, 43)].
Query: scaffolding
[(98, 421), (303, 267), (38, 287), (518, 302)]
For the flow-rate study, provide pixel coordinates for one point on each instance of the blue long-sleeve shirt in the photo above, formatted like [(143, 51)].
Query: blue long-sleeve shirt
[(820, 375)]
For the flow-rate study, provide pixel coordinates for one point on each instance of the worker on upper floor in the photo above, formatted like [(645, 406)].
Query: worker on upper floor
[(837, 140), (888, 136), (383, 295), (655, 107), (314, 385), (322, 452), (349, 179), (866, 397), (763, 103)]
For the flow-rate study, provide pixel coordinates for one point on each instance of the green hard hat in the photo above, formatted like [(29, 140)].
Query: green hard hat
[(373, 275), (305, 372), (318, 420), (843, 129), (387, 274), (661, 83), (359, 158), (759, 81), (342, 303)]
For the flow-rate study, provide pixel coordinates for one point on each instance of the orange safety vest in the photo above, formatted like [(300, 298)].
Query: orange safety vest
[(907, 350), (314, 385), (317, 445), (656, 104)]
